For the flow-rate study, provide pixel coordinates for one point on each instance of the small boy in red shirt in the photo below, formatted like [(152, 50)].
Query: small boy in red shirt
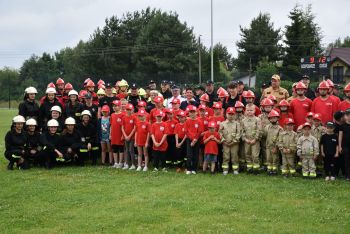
[(211, 140), (159, 134), (180, 138), (218, 118), (203, 117), (171, 123), (143, 128), (128, 130), (193, 130), (117, 139), (158, 100)]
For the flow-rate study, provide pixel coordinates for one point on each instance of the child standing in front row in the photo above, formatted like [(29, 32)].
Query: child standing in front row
[(329, 151), (143, 128), (211, 139), (117, 138), (128, 130), (159, 132), (180, 138), (104, 131)]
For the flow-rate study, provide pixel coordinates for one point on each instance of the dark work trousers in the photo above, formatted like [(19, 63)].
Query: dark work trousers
[(47, 158), (346, 154), (340, 165), (329, 165), (158, 158), (180, 154), (85, 155), (192, 155), (171, 151)]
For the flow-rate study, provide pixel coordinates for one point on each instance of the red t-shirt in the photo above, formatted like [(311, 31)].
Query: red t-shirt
[(129, 124), (205, 122), (336, 101), (299, 109), (283, 117), (325, 107), (171, 126), (211, 147), (158, 130), (116, 129), (344, 105), (217, 120), (152, 113), (142, 130), (193, 128), (180, 130)]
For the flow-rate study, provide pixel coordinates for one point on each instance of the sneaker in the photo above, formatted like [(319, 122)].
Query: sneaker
[(327, 178), (332, 178), (188, 172), (132, 167), (139, 168), (145, 169), (165, 169), (235, 172), (155, 169), (193, 172), (126, 167), (115, 165), (225, 173)]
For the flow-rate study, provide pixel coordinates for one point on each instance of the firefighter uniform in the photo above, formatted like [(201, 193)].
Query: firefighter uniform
[(88, 135), (317, 132), (307, 149), (252, 131), (272, 132), (280, 93), (230, 132), (49, 142), (241, 157), (288, 141), (15, 148), (264, 122)]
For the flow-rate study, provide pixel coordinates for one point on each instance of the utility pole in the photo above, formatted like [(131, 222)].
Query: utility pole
[(211, 47), (9, 86), (199, 60), (250, 69)]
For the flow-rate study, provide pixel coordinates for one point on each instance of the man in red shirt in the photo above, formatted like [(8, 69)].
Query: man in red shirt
[(300, 105), (193, 128), (336, 99), (344, 105), (324, 104)]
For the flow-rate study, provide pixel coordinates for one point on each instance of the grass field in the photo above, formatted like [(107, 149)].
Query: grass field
[(99, 199)]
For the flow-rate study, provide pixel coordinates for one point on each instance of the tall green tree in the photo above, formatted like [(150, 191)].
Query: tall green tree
[(338, 43), (260, 40)]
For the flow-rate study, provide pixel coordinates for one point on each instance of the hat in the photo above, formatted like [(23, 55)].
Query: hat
[(231, 110), (175, 101), (202, 107), (87, 95), (289, 121), (158, 99), (330, 124), (151, 82), (181, 113), (133, 86), (117, 103), (217, 105), (209, 82), (164, 82), (318, 116), (141, 113), (159, 113), (169, 110), (276, 77), (264, 85), (240, 82), (141, 104), (306, 125), (310, 114), (175, 87), (305, 77), (108, 85), (212, 124), (129, 107), (191, 108)]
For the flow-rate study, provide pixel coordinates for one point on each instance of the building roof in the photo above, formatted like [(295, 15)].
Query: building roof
[(340, 53)]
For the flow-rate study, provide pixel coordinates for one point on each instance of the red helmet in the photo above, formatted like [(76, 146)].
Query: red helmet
[(82, 93), (51, 85), (129, 107), (105, 108), (223, 93), (306, 125), (217, 105), (141, 104), (273, 113), (266, 102), (231, 110), (59, 81), (318, 116), (330, 83), (100, 82), (90, 83), (347, 88), (86, 80), (249, 94), (272, 97), (204, 97), (323, 85), (117, 103), (289, 121), (283, 103), (212, 124), (239, 104), (300, 85), (202, 107), (158, 99), (310, 114), (68, 86)]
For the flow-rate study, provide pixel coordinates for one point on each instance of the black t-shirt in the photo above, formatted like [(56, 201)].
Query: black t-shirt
[(107, 101), (345, 128), (230, 102), (329, 142)]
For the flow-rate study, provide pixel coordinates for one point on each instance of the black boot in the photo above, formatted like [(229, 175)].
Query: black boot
[(10, 166)]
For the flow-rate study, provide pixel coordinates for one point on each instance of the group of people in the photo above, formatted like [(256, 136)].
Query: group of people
[(224, 130)]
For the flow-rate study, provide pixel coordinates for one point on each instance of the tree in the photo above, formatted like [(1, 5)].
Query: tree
[(303, 36), (338, 43), (264, 72), (258, 41)]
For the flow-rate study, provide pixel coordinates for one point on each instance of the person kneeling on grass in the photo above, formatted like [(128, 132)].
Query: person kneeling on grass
[(70, 143), (211, 140)]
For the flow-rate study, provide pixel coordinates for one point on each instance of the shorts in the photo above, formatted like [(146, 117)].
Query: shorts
[(118, 148), (104, 141), (210, 158)]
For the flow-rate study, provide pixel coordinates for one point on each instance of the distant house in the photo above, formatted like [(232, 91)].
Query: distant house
[(340, 65), (245, 80)]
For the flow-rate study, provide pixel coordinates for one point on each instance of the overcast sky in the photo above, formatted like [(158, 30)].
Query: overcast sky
[(37, 26)]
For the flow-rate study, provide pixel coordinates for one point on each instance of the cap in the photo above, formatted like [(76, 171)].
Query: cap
[(141, 104), (217, 105), (175, 101), (129, 107), (330, 124), (159, 113), (310, 114), (117, 103), (133, 86), (87, 95), (108, 85), (289, 121), (191, 108), (158, 99), (181, 113), (264, 85), (306, 125), (141, 113), (212, 124), (240, 82), (230, 110), (202, 107), (276, 77), (318, 116), (164, 82), (305, 77), (175, 87), (151, 82), (209, 82)]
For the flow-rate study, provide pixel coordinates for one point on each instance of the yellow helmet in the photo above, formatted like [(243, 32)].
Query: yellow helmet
[(123, 83), (101, 92), (114, 91), (142, 92)]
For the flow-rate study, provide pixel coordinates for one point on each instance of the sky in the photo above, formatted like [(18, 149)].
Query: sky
[(37, 26)]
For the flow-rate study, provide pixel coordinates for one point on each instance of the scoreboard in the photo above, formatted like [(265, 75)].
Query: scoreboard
[(315, 64)]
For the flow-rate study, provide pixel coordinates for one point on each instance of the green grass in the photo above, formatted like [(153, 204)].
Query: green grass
[(98, 199)]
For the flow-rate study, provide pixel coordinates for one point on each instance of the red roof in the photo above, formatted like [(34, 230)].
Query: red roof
[(341, 53)]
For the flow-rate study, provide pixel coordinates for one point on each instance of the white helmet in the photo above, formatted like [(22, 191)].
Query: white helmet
[(56, 108), (31, 122), (52, 123), (50, 90), (69, 120), (73, 92), (86, 112), (31, 90), (18, 119)]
